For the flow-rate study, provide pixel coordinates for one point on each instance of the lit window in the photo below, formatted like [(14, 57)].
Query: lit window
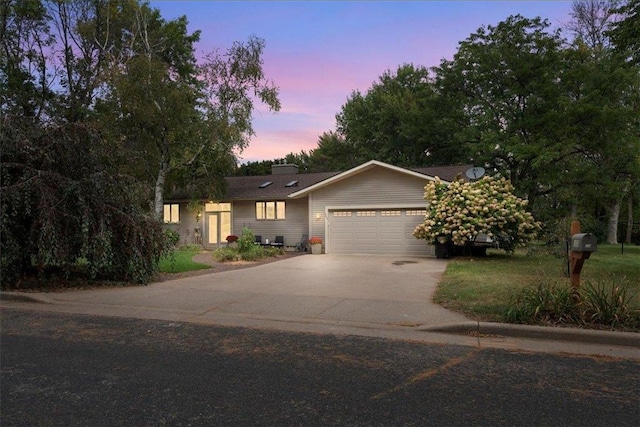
[(270, 210), (172, 213), (217, 207)]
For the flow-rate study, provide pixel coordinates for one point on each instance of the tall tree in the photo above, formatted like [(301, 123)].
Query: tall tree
[(231, 84), (604, 115), (400, 120), (63, 195), (590, 21), (625, 33), (503, 78)]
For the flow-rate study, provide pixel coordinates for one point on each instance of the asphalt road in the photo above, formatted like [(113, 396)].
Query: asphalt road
[(76, 370)]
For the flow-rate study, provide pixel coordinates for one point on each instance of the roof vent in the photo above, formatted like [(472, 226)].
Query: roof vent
[(266, 184), (292, 184)]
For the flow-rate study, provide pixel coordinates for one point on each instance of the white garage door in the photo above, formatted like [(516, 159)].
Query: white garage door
[(376, 231)]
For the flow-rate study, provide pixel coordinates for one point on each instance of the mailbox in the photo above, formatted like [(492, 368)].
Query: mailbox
[(584, 242)]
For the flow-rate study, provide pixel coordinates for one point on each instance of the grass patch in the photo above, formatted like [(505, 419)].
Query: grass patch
[(485, 288), (180, 261)]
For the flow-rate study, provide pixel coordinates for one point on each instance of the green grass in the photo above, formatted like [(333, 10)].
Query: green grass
[(484, 288), (180, 261)]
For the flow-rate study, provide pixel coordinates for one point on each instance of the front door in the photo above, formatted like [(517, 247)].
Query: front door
[(218, 227)]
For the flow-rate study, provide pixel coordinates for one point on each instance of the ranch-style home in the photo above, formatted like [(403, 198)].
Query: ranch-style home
[(370, 209)]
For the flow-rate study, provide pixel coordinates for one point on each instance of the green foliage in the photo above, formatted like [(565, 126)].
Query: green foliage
[(181, 261), (625, 33), (458, 212), (247, 240), (172, 236), (603, 302), (191, 248), (401, 120), (609, 304), (62, 199), (246, 250), (548, 303), (226, 254)]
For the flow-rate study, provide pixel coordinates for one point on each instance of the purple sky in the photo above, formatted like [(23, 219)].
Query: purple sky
[(319, 52)]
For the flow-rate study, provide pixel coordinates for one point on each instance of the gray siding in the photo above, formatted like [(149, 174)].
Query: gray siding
[(186, 226), (375, 188), (292, 228)]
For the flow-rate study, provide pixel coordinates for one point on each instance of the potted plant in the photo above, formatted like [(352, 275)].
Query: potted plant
[(316, 245)]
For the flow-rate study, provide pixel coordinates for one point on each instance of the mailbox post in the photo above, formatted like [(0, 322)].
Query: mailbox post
[(582, 245)]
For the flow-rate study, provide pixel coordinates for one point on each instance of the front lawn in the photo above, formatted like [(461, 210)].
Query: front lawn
[(484, 288), (181, 261)]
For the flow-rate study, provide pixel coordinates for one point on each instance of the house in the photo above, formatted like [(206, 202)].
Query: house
[(370, 209)]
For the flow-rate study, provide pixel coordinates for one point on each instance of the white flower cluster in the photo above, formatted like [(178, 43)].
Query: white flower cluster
[(462, 210)]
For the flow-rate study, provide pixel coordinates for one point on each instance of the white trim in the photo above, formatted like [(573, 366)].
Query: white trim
[(359, 169)]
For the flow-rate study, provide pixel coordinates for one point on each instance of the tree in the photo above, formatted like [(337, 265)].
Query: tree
[(503, 80), (591, 19), (625, 33), (603, 117), (460, 211), (231, 83), (400, 120), (65, 204)]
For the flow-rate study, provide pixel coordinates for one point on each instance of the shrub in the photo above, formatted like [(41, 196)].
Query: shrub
[(247, 240), (232, 238), (548, 302), (604, 303), (226, 254), (608, 304), (172, 236), (458, 212)]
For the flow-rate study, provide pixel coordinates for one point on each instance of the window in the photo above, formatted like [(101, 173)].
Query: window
[(171, 213), (389, 213), (341, 213), (366, 213), (422, 212), (270, 210), (217, 207)]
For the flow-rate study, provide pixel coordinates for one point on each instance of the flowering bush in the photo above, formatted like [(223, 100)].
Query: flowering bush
[(315, 241), (460, 211), (232, 238)]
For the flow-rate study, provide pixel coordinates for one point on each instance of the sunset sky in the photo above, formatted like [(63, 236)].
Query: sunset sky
[(319, 52)]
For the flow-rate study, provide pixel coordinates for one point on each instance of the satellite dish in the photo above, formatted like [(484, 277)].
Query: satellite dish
[(475, 172)]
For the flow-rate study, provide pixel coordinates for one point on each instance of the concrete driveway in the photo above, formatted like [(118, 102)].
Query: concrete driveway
[(354, 290)]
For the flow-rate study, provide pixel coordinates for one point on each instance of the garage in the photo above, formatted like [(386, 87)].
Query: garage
[(376, 231)]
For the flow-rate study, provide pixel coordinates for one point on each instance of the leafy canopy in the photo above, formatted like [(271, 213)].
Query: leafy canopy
[(460, 211)]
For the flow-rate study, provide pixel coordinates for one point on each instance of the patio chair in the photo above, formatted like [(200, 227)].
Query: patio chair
[(258, 240), (279, 242), (301, 246)]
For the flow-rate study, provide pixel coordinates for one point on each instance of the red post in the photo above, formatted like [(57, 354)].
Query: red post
[(577, 258)]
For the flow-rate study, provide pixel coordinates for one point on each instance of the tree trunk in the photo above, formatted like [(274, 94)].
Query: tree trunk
[(159, 190), (627, 238), (612, 229)]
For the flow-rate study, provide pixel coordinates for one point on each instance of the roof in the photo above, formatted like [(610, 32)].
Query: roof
[(249, 187), (297, 185), (446, 173)]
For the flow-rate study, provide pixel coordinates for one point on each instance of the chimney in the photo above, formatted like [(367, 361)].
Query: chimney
[(284, 169)]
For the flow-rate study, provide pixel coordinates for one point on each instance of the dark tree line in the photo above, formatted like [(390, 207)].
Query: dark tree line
[(559, 116), (104, 107)]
